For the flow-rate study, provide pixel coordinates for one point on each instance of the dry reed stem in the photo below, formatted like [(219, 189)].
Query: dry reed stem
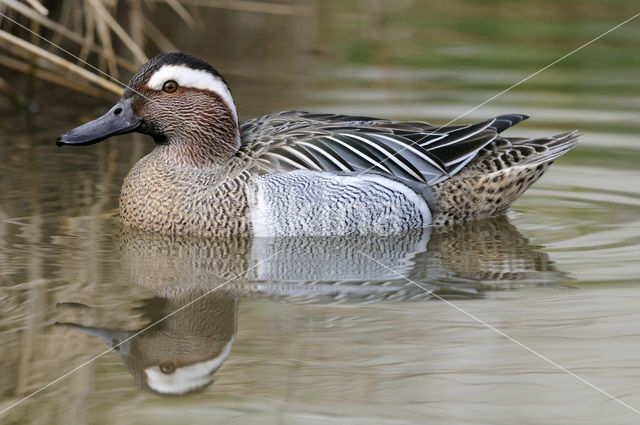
[(104, 35), (120, 32), (182, 12), (136, 21), (60, 29), (50, 76), (26, 56), (89, 36), (251, 6), (66, 15), (63, 63), (38, 7)]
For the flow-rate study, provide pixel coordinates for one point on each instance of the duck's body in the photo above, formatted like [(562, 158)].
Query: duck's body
[(277, 184), (296, 173)]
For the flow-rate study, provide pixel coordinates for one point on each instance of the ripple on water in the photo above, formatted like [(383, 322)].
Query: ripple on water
[(588, 219)]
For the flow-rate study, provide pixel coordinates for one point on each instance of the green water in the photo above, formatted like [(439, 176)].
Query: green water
[(309, 342)]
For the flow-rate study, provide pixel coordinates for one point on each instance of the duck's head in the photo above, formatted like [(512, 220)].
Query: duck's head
[(179, 100)]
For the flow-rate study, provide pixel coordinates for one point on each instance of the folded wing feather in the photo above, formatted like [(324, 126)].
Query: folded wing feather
[(414, 151)]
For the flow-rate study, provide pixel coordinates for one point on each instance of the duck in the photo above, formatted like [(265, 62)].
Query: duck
[(196, 318), (297, 173)]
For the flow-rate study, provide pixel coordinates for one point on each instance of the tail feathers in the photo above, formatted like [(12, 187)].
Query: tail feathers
[(503, 122), (506, 153), (548, 149), (502, 172)]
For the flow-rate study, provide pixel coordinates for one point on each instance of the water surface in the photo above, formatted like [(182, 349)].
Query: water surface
[(311, 331)]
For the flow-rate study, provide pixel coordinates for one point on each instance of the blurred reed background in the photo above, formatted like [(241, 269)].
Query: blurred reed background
[(436, 51), (107, 37)]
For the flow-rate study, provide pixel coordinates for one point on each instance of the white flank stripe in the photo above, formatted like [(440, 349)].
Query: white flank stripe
[(467, 135), (287, 160), (304, 158), (376, 163), (391, 155), (422, 143), (325, 154), (412, 150), (194, 78)]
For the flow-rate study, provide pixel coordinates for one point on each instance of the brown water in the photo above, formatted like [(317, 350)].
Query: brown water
[(310, 331)]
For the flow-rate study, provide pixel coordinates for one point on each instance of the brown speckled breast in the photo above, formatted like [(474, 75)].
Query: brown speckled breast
[(163, 198)]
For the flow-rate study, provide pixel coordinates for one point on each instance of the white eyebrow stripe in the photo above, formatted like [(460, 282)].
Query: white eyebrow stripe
[(194, 78)]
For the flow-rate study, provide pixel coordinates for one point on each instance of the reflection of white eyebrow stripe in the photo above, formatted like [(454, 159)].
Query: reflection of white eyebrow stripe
[(186, 378), (195, 78)]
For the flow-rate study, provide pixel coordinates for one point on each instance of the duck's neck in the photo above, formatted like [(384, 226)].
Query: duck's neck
[(202, 145)]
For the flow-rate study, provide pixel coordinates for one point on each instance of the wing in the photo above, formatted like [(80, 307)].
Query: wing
[(410, 150)]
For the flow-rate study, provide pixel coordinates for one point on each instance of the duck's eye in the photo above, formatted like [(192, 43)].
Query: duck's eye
[(167, 368), (170, 87)]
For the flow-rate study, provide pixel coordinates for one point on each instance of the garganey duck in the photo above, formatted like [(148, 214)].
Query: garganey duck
[(298, 173)]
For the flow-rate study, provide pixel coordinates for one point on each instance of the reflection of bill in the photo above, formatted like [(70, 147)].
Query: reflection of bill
[(181, 353)]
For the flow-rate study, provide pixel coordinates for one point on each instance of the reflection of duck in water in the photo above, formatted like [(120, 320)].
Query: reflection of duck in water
[(180, 354), (461, 259)]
